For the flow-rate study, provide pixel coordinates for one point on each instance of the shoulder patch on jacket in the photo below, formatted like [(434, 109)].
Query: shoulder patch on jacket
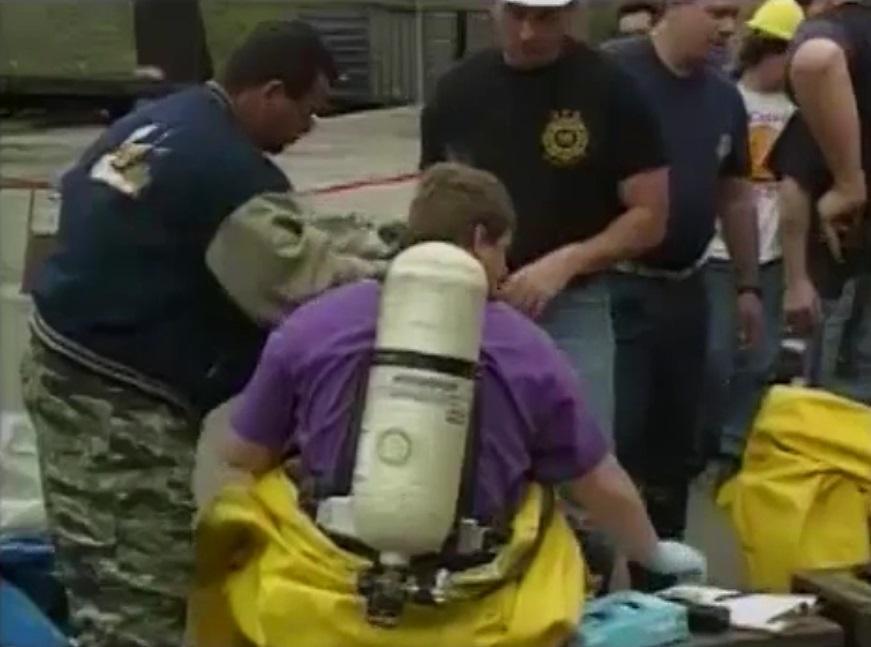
[(126, 168)]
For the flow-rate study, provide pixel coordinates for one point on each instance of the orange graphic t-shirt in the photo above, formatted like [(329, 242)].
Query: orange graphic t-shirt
[(768, 115)]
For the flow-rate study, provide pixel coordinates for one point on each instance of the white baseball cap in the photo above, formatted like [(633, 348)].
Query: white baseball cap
[(540, 3)]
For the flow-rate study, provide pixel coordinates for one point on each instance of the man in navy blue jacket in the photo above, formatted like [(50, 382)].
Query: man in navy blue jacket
[(180, 245)]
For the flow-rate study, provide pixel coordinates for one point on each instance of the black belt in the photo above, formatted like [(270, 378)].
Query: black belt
[(645, 271)]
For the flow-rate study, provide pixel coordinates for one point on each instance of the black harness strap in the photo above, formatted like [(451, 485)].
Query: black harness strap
[(466, 496), (340, 482), (342, 479)]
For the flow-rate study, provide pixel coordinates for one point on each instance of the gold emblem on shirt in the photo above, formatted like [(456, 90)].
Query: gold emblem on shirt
[(565, 138)]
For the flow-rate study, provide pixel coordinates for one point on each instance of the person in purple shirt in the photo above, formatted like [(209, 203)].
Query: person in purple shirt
[(534, 424)]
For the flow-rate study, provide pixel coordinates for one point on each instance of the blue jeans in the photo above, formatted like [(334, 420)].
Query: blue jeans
[(842, 349), (579, 322), (737, 379)]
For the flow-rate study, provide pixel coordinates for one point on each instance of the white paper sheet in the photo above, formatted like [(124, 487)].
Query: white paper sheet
[(760, 612), (767, 612)]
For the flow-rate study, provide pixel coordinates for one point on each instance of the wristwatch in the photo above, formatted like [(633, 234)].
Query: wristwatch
[(749, 289)]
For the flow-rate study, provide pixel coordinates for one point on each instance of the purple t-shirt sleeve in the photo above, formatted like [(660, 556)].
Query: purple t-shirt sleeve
[(569, 443), (265, 412)]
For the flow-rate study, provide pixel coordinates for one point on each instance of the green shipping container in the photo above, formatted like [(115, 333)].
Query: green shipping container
[(71, 39)]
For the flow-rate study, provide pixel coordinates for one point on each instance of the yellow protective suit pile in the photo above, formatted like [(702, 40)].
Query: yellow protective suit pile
[(802, 498), (266, 573)]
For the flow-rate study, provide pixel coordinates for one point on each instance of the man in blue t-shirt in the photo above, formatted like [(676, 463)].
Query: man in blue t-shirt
[(659, 303)]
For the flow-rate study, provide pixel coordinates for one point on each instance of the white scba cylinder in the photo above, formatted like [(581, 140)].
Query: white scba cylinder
[(419, 400)]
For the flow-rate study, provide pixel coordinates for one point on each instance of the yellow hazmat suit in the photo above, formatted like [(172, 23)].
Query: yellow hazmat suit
[(802, 498), (265, 572)]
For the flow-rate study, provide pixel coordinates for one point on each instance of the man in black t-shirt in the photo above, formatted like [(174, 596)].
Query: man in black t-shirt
[(825, 157), (570, 136), (661, 303)]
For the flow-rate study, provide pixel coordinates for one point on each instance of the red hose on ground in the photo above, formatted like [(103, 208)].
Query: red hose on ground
[(44, 185)]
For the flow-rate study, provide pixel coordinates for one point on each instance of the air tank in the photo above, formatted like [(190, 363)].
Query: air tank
[(419, 401)]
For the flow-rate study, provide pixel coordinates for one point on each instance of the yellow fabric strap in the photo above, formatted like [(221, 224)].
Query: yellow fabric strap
[(266, 572)]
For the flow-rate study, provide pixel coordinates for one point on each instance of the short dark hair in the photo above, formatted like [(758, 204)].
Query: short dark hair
[(452, 199), (290, 51), (756, 47), (629, 8)]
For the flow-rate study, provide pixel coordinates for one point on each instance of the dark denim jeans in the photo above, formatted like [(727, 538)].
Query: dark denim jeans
[(661, 330), (843, 345), (738, 378)]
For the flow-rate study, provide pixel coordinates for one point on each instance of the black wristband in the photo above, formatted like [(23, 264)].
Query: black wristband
[(749, 289)]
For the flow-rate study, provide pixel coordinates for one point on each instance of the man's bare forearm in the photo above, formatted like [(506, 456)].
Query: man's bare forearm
[(628, 237), (821, 82), (795, 221), (614, 505), (249, 457), (738, 216), (637, 230)]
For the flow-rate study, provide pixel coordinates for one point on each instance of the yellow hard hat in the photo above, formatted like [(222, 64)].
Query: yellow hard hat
[(777, 18)]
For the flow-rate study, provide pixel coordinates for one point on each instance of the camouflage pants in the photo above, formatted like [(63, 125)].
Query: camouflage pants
[(116, 471)]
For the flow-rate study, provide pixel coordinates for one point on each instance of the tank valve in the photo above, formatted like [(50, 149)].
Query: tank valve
[(386, 590), (388, 586)]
